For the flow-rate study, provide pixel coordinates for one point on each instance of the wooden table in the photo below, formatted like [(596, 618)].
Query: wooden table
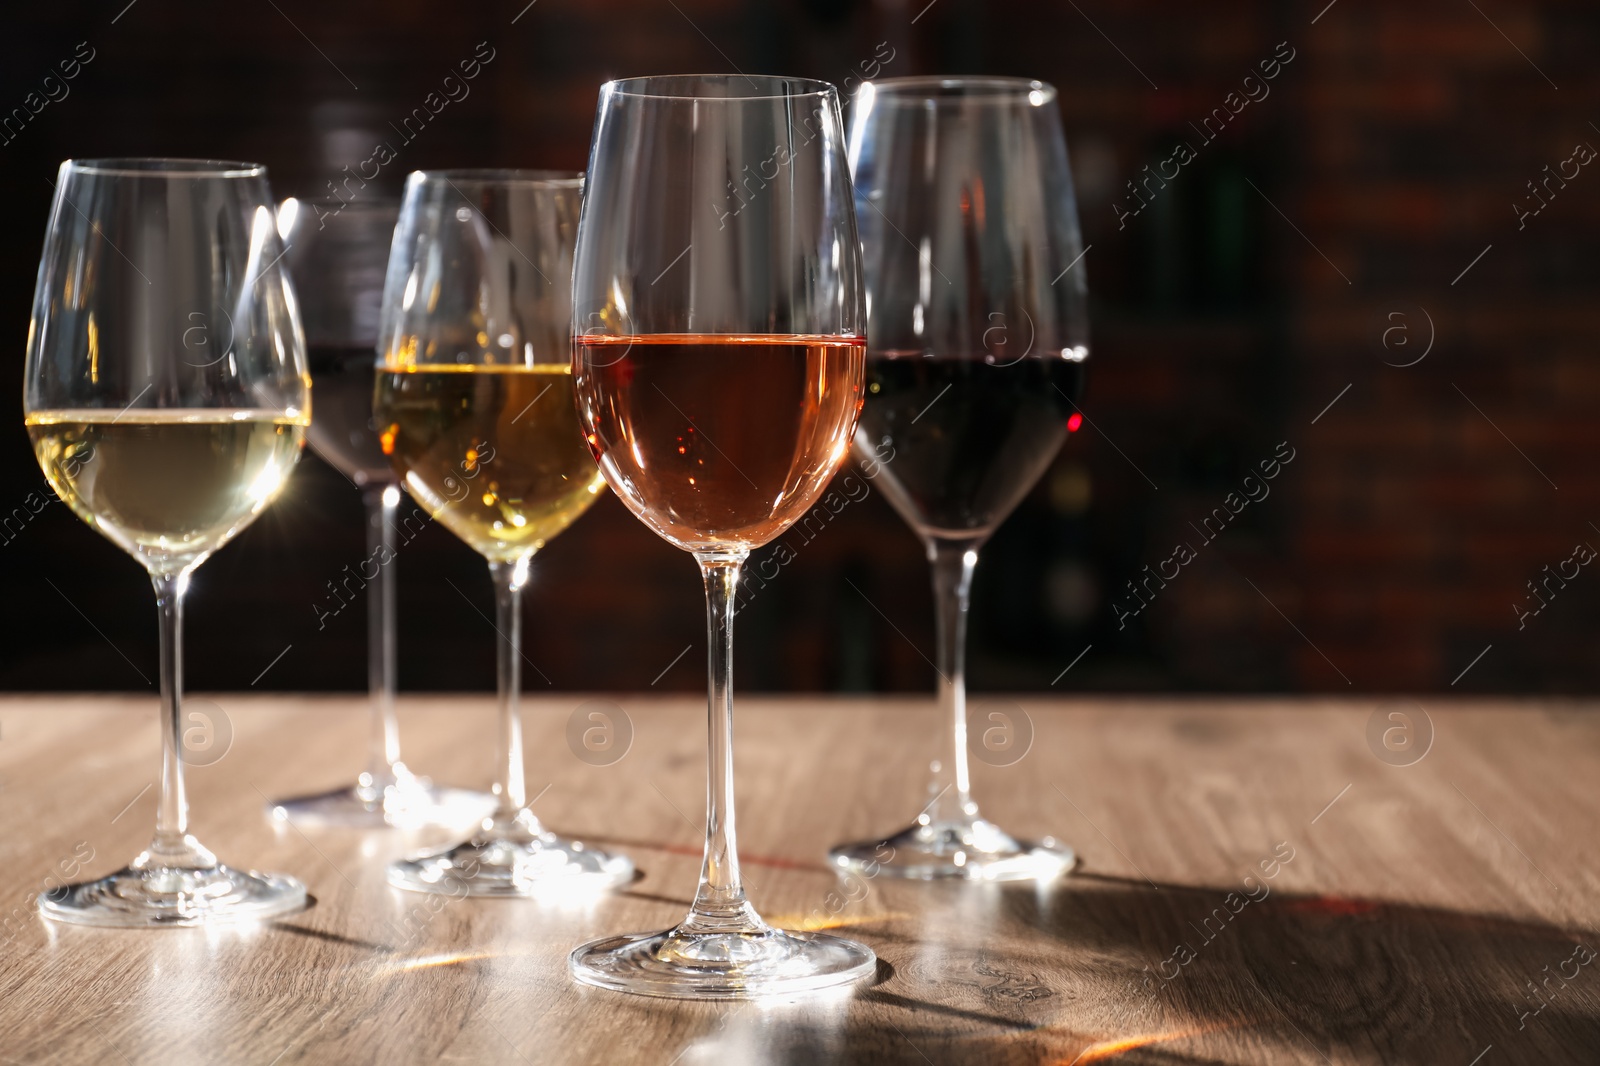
[(1439, 912)]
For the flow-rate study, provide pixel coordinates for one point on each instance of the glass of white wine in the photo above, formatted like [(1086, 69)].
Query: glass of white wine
[(474, 407), (166, 396)]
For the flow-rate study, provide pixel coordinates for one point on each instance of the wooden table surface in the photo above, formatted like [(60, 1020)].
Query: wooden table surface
[(1438, 912)]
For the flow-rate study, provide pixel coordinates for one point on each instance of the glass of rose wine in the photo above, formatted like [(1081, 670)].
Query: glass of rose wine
[(718, 348), (979, 327), (474, 407), (166, 396), (336, 251)]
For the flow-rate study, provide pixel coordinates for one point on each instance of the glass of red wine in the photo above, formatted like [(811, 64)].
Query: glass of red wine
[(717, 307), (979, 331), (337, 251)]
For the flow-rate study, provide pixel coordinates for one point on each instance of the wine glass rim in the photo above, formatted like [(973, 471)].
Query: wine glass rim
[(391, 203), (660, 86), (164, 167), (939, 86), (562, 179)]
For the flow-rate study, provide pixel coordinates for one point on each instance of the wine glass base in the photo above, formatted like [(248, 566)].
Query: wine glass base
[(215, 895), (414, 806), (544, 866), (681, 965), (972, 850)]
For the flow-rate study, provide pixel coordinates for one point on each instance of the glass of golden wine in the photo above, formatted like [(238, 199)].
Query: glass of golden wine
[(474, 407), (719, 351), (166, 395)]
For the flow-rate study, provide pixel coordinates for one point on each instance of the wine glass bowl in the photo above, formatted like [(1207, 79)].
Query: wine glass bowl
[(475, 410), (717, 350), (969, 438), (169, 487), (167, 397), (669, 414), (979, 328), (337, 252), (523, 411)]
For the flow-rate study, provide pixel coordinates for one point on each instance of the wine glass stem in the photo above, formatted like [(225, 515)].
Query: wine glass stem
[(951, 787), (719, 902), (383, 753), (510, 787), (172, 815)]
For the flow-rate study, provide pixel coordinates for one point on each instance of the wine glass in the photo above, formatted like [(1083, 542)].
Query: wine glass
[(718, 317), (979, 328), (336, 250), (166, 397), (475, 411)]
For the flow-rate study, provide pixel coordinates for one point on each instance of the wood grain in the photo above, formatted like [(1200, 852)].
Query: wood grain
[(1424, 916)]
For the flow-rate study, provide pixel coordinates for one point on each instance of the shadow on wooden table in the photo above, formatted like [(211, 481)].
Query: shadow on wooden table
[(1103, 969)]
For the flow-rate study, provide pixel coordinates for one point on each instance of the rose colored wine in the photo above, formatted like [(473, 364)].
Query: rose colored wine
[(968, 438), (719, 441)]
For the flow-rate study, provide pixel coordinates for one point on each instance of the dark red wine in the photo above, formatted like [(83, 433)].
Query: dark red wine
[(342, 429), (961, 441)]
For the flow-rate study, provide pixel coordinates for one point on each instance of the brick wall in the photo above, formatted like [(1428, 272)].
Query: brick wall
[(1254, 290)]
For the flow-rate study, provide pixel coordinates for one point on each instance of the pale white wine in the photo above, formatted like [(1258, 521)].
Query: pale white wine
[(168, 486)]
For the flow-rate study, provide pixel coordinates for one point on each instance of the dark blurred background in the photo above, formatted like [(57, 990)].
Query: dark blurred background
[(1374, 203)]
